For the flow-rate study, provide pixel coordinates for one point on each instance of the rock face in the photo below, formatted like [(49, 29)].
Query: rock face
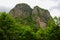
[(21, 10), (39, 15)]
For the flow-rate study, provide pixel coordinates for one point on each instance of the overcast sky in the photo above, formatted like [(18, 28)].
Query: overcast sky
[(52, 5)]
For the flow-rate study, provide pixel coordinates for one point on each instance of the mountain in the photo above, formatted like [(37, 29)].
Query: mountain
[(38, 15)]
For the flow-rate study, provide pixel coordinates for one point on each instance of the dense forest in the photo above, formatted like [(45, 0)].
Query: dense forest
[(13, 29)]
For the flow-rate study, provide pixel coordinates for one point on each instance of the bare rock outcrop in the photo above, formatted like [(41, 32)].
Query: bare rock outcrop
[(40, 16), (21, 10)]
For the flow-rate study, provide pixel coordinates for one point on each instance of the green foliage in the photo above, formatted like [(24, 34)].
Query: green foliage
[(57, 20), (51, 22), (12, 29), (7, 27), (28, 21)]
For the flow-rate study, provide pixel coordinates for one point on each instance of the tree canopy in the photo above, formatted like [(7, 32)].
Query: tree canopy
[(12, 29)]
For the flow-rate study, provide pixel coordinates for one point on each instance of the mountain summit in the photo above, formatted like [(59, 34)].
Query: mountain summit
[(38, 15)]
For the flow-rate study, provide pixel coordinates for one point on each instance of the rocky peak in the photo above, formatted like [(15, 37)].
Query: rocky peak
[(21, 10), (39, 15), (43, 14)]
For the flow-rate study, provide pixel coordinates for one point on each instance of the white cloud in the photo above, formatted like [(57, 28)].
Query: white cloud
[(42, 3), (55, 12)]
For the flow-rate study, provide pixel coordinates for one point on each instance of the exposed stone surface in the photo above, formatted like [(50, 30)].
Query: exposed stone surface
[(39, 15), (43, 14), (21, 10)]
